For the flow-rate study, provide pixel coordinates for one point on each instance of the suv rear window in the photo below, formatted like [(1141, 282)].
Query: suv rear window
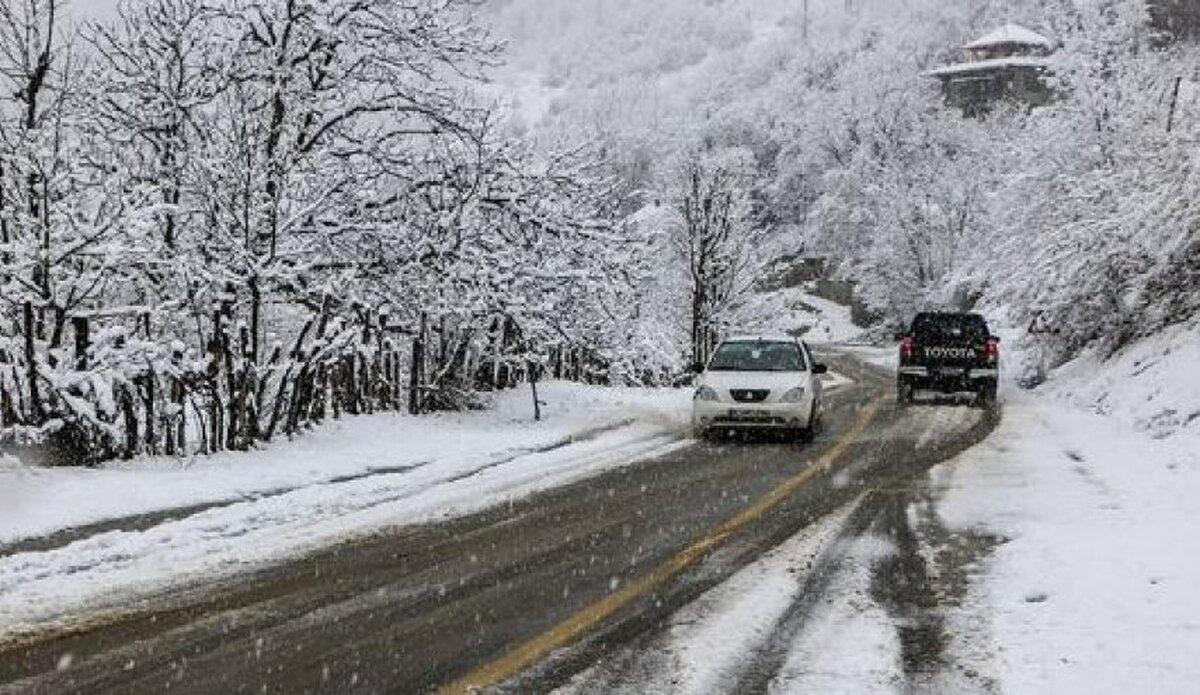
[(950, 326), (757, 356)]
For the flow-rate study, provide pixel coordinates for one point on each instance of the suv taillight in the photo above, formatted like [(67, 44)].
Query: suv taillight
[(991, 351), (907, 345)]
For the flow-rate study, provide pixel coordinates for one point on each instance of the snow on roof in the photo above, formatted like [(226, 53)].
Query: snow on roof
[(1010, 34), (989, 65)]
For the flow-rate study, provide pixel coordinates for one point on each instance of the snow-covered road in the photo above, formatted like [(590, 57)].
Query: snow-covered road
[(1052, 557), (1055, 557)]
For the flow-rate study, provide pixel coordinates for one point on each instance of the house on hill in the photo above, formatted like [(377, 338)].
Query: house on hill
[(1175, 20), (1009, 63)]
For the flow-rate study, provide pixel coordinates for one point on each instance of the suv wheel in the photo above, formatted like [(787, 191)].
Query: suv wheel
[(987, 395)]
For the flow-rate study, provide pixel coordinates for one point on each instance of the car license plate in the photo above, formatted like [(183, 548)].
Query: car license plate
[(736, 414)]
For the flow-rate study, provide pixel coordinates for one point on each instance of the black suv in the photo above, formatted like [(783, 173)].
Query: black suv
[(949, 353)]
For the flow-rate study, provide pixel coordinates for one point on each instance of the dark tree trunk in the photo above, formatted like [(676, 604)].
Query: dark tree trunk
[(415, 375), (37, 411), (83, 341)]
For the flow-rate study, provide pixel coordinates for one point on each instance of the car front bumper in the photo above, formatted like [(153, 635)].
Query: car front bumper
[(720, 415)]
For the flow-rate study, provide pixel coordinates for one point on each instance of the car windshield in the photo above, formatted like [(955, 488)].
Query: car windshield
[(757, 356)]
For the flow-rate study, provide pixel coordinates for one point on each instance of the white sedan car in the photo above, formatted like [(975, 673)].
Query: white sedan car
[(759, 382)]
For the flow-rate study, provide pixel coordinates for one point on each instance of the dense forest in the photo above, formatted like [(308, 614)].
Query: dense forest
[(223, 220), (1083, 212)]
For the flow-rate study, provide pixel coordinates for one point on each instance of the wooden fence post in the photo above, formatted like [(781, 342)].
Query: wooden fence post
[(416, 371), (533, 382)]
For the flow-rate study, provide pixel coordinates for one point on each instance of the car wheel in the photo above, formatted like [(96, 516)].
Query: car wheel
[(808, 432), (904, 393)]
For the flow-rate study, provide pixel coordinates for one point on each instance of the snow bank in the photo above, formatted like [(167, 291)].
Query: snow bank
[(351, 477), (35, 502), (1093, 586), (1154, 385)]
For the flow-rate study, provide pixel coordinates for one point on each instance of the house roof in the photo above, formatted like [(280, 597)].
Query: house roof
[(1010, 34), (976, 66)]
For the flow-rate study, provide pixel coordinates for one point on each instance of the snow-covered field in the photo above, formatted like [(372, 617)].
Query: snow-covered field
[(347, 478)]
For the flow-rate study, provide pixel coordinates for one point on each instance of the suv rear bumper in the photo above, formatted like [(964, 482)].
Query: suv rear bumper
[(968, 373), (948, 379)]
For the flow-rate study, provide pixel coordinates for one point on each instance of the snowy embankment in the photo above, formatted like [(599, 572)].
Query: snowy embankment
[(1089, 491), (237, 511), (1093, 588), (797, 312)]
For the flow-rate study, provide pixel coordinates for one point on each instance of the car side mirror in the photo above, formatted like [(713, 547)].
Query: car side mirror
[(994, 338), (697, 368), (820, 369), (901, 335)]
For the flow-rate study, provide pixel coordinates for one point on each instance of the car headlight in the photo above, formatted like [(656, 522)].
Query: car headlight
[(705, 393), (796, 395)]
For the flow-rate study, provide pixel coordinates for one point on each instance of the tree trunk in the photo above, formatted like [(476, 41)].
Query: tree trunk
[(131, 423), (415, 376), (83, 341), (36, 408)]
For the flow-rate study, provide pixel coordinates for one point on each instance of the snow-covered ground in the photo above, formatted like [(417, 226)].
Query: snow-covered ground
[(1153, 385), (1093, 588), (795, 311), (1092, 481), (37, 501), (349, 477), (1089, 489)]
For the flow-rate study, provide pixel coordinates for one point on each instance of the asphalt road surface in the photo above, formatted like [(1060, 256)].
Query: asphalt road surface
[(523, 597)]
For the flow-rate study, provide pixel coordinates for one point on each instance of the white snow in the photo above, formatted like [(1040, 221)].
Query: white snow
[(277, 503), (849, 644), (35, 502), (796, 312), (1153, 385), (989, 65), (1095, 589), (1010, 34), (706, 643)]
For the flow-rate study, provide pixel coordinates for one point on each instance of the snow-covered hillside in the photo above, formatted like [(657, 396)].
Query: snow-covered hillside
[(1082, 211)]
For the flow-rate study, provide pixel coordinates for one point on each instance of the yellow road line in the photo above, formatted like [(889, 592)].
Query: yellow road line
[(570, 630)]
